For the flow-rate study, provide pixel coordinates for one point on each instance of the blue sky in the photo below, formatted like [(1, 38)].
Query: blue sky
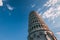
[(14, 17)]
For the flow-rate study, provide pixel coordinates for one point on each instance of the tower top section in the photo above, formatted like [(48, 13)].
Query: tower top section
[(36, 22)]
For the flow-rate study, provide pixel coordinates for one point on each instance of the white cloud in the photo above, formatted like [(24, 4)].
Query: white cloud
[(1, 3), (49, 14), (58, 33), (53, 12), (47, 3), (10, 7), (50, 3)]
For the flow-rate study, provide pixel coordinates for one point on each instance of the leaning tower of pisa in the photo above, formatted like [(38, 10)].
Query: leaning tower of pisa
[(37, 28)]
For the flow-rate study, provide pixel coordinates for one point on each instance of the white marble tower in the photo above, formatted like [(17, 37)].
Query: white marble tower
[(38, 30)]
